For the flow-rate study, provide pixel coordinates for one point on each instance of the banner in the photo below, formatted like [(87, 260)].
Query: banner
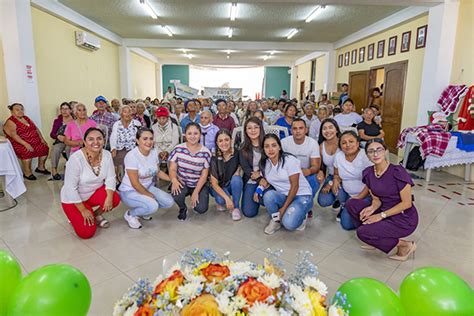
[(185, 91), (223, 93)]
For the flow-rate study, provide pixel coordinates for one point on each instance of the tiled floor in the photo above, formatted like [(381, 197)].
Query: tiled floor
[(37, 233)]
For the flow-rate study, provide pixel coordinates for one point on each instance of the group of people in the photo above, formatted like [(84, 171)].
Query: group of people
[(116, 155)]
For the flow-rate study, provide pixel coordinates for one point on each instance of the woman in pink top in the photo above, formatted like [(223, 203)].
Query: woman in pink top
[(75, 129)]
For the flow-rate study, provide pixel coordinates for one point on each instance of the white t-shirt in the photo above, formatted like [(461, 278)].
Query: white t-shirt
[(328, 160), (348, 119), (351, 172), (304, 152), (147, 167), (314, 129), (278, 176)]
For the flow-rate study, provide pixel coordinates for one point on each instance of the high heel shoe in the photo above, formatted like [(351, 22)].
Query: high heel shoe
[(405, 257)]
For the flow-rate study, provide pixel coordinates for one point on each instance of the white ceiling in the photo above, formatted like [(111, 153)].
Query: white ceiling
[(257, 21)]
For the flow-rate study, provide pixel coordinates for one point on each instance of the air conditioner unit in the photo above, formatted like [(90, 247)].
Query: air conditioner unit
[(87, 41)]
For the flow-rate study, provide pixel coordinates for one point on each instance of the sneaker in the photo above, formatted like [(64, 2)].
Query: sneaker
[(146, 218), (336, 204), (220, 208), (236, 214), (57, 177), (272, 227), (338, 216), (132, 221), (183, 214), (303, 225)]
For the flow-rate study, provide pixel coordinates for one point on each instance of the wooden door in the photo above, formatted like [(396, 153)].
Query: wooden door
[(392, 110), (359, 89), (302, 90)]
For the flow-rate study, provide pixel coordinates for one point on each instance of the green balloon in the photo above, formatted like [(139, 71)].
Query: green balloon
[(53, 290), (10, 276), (436, 292), (368, 297)]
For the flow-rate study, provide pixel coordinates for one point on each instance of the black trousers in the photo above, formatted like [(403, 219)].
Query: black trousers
[(203, 204)]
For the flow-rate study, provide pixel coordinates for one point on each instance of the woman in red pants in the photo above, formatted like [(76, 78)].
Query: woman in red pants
[(89, 182)]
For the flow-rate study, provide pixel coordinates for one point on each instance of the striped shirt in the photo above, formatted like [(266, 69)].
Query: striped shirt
[(190, 165)]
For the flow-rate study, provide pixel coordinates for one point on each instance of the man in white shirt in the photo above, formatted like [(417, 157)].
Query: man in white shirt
[(169, 95), (306, 150)]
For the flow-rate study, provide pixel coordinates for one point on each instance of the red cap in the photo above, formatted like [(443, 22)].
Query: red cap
[(162, 111)]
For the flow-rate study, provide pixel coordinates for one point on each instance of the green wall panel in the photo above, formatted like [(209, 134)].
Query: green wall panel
[(174, 72), (276, 80)]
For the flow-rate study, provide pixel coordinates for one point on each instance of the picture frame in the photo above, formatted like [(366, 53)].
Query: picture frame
[(346, 59), (405, 42), (354, 56), (392, 46), (340, 60), (421, 33), (370, 51), (380, 48), (361, 55)]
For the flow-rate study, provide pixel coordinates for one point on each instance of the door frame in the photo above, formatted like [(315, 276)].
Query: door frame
[(302, 92), (368, 82)]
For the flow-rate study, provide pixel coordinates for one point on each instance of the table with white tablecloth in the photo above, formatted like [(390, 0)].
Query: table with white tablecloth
[(11, 174)]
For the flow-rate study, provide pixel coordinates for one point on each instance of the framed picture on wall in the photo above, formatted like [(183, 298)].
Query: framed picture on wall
[(380, 48), (354, 56), (340, 60), (346, 59), (361, 55), (406, 39), (421, 36), (370, 51), (392, 45)]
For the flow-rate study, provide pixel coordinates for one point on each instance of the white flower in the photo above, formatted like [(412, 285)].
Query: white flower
[(302, 303), (270, 280), (240, 268), (189, 290), (195, 278), (316, 284), (262, 309), (335, 311)]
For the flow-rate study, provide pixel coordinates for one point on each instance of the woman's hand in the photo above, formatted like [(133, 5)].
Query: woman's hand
[(255, 198), (320, 177), (61, 138), (326, 188), (108, 203), (282, 212), (114, 153), (336, 186), (229, 204), (28, 147), (264, 183), (373, 219), (366, 212), (176, 186), (89, 219), (194, 199), (255, 175)]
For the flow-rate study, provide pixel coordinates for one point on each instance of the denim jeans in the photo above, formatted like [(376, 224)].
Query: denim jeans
[(142, 205), (249, 206), (296, 212), (234, 188), (313, 182), (203, 203)]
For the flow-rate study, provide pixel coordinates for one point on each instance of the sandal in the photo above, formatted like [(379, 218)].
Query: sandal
[(102, 222), (30, 177)]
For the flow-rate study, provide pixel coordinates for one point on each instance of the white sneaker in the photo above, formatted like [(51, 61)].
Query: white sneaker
[(272, 227), (220, 208), (236, 214), (303, 225), (146, 218), (132, 221)]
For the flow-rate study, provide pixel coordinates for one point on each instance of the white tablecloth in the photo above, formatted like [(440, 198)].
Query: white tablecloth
[(10, 168)]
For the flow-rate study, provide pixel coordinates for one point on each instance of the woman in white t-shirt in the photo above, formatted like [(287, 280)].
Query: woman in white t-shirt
[(348, 166), (137, 190), (348, 118), (291, 200)]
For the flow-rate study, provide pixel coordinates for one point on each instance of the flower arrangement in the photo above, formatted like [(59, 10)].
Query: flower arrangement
[(204, 284)]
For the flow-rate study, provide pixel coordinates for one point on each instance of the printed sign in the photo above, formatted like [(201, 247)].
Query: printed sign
[(185, 91), (223, 93)]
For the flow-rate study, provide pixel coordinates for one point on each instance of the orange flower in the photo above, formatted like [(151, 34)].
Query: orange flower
[(215, 272), (254, 291), (204, 305), (145, 310), (171, 283)]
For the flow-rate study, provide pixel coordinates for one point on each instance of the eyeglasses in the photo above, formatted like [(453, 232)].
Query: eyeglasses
[(378, 151)]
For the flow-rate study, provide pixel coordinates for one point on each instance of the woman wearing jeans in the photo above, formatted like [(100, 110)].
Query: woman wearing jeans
[(226, 182), (292, 199), (137, 190)]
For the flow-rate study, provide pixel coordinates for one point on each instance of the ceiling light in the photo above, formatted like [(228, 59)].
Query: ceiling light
[(167, 30), (228, 56), (272, 52), (149, 9), (314, 13), (233, 11), (189, 56), (228, 52), (266, 57), (184, 50), (230, 32), (292, 33)]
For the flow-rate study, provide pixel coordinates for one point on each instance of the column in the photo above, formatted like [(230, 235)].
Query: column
[(125, 72), (293, 77), (330, 82)]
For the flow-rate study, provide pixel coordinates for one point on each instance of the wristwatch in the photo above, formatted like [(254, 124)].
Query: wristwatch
[(330, 183), (384, 215)]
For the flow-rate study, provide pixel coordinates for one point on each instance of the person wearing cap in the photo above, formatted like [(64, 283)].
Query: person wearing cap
[(166, 134), (193, 115), (223, 119), (101, 116)]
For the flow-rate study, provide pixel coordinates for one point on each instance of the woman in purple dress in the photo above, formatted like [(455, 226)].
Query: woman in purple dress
[(391, 215)]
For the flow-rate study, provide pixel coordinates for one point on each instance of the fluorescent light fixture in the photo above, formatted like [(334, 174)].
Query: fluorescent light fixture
[(189, 56), (228, 52), (149, 9), (266, 57), (272, 52), (314, 13), (167, 30), (230, 33), (292, 33), (228, 56), (233, 11)]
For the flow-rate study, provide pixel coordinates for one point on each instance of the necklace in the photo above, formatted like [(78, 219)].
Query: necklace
[(378, 175), (96, 169)]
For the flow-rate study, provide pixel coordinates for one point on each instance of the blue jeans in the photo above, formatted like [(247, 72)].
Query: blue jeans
[(249, 206), (313, 182), (327, 199), (142, 205), (295, 213), (234, 188)]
